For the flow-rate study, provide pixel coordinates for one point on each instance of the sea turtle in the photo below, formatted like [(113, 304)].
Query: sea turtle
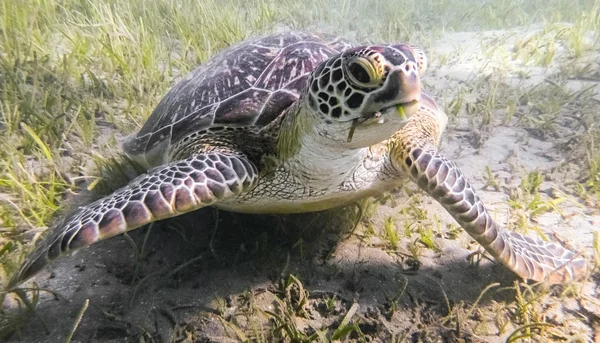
[(288, 123)]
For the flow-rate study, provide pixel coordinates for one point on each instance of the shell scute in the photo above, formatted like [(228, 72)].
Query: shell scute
[(275, 104), (241, 109), (248, 84)]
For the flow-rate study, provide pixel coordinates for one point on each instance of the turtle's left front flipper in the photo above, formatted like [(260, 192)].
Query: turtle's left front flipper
[(413, 151), (167, 191)]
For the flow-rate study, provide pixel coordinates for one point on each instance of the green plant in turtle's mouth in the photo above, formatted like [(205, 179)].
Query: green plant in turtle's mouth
[(402, 113)]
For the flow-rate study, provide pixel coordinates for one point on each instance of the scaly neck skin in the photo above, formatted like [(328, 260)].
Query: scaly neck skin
[(306, 147)]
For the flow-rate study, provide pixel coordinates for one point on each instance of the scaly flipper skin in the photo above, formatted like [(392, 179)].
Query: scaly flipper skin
[(163, 192), (414, 152)]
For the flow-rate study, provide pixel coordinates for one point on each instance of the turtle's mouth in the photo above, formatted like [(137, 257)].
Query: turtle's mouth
[(401, 111)]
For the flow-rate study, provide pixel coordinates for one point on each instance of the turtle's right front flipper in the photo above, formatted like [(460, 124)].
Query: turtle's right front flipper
[(163, 192), (530, 258), (413, 152)]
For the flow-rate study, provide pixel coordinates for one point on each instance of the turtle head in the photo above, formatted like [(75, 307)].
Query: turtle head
[(367, 93)]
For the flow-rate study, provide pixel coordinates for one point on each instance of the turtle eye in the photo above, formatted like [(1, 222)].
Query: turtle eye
[(362, 72)]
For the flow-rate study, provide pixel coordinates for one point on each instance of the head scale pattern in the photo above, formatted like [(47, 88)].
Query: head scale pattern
[(358, 80)]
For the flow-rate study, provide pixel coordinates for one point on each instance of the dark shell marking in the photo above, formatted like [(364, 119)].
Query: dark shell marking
[(249, 84)]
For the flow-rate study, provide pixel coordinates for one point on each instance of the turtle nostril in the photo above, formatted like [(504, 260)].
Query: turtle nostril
[(410, 67), (410, 83)]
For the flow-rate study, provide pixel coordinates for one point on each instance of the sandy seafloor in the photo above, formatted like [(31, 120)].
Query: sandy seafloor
[(354, 266)]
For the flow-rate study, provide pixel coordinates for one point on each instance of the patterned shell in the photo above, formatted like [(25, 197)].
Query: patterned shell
[(248, 84)]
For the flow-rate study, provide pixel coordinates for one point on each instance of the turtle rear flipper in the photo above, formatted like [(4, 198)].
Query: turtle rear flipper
[(529, 258), (164, 192)]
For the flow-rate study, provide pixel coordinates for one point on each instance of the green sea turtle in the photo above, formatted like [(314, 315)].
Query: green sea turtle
[(290, 123)]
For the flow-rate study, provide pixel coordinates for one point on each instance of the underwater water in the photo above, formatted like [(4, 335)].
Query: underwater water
[(518, 80)]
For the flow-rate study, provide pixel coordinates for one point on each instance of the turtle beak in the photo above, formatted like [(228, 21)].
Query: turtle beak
[(401, 93), (407, 83), (396, 113)]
